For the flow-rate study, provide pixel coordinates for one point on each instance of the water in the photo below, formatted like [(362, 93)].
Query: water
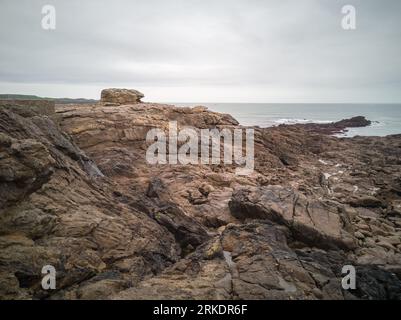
[(386, 118)]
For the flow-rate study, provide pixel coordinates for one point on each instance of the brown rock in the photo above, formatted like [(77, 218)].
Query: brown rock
[(312, 221), (120, 96), (365, 201), (76, 192)]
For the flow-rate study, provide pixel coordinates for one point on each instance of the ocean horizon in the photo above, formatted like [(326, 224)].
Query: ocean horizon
[(385, 117)]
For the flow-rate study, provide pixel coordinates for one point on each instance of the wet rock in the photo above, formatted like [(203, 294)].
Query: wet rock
[(374, 283), (354, 122), (336, 127)]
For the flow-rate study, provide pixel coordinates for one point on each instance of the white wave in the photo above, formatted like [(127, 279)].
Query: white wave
[(377, 124), (295, 121)]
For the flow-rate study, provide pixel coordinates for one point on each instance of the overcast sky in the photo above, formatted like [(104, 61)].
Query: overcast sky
[(204, 50)]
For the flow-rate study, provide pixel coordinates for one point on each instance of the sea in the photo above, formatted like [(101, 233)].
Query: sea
[(386, 118)]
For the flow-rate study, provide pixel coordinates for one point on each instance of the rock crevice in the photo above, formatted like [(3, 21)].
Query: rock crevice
[(76, 192)]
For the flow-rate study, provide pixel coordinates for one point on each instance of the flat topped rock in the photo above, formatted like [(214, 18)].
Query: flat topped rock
[(115, 96)]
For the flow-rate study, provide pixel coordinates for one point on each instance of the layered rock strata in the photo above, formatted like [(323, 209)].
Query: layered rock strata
[(77, 193)]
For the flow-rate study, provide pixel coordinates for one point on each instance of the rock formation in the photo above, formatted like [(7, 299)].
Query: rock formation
[(336, 127), (120, 96), (77, 193)]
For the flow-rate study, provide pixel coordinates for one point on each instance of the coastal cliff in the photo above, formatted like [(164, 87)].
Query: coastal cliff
[(77, 193)]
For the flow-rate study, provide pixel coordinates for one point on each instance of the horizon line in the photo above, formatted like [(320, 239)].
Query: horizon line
[(210, 102)]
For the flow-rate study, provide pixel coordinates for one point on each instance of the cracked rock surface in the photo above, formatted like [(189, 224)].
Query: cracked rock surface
[(77, 193)]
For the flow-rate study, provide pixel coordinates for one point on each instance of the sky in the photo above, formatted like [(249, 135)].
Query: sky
[(286, 51)]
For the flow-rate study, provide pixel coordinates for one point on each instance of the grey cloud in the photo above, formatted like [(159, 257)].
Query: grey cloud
[(291, 45)]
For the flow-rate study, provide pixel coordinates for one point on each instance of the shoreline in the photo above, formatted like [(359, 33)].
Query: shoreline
[(386, 118), (380, 127), (79, 194)]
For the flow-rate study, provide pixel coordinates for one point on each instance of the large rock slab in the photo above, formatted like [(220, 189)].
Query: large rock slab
[(310, 220)]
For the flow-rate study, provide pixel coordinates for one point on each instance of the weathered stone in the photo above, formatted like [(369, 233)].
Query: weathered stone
[(312, 221), (120, 96), (365, 201), (30, 107), (77, 192), (359, 235)]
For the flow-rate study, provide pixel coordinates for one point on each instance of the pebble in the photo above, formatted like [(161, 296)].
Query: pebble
[(385, 245), (359, 235)]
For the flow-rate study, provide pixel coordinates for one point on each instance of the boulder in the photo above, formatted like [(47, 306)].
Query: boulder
[(120, 96)]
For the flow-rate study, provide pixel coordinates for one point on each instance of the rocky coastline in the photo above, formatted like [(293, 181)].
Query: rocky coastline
[(77, 193)]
